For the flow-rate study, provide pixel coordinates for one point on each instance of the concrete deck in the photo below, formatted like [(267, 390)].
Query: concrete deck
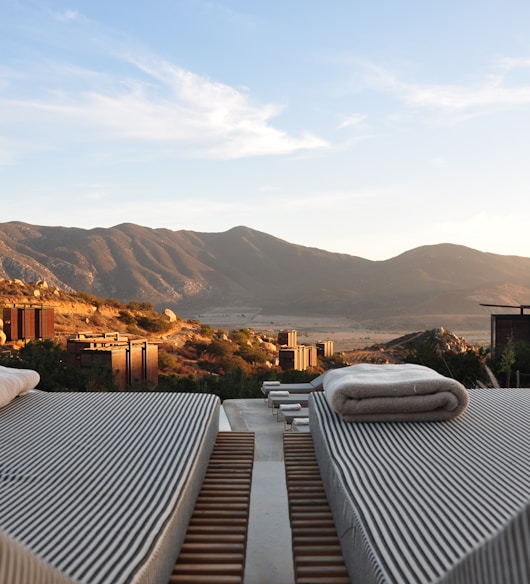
[(269, 553)]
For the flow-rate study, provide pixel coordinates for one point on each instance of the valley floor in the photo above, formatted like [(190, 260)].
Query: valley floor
[(347, 335)]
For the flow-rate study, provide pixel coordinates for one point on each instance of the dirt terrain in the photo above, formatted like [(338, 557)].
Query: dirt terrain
[(346, 334), (74, 314)]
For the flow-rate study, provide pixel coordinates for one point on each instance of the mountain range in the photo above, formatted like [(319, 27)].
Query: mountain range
[(190, 272)]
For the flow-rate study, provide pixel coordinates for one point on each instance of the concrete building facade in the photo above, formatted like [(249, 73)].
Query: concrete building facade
[(288, 338), (325, 348), (299, 358), (134, 363)]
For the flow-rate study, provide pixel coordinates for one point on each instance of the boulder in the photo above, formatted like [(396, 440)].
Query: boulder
[(172, 317)]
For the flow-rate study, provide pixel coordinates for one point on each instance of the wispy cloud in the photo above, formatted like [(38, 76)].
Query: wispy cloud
[(352, 120), (95, 193), (495, 91), (454, 98), (68, 15), (158, 102)]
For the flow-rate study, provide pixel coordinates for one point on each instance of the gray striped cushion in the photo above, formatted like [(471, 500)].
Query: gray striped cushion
[(91, 481), (431, 501)]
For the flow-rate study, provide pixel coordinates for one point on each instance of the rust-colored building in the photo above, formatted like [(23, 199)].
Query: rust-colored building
[(134, 363), (25, 322), (508, 326)]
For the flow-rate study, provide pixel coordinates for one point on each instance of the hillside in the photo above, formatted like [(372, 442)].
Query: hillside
[(229, 361), (183, 344), (78, 312), (191, 272)]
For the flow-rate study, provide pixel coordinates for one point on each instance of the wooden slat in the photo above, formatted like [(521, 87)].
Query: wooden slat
[(317, 556), (214, 549)]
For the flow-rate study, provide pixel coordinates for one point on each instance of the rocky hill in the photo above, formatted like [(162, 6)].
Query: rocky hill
[(439, 340), (191, 349), (191, 272), (182, 342), (76, 312)]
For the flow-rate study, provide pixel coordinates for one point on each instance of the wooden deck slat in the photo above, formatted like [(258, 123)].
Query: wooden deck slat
[(215, 545), (205, 579), (317, 556)]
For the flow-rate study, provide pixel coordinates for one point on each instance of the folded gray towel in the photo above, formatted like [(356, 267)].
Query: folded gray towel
[(394, 393), (290, 407)]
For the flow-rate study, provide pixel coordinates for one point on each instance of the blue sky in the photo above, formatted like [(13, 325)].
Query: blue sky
[(367, 128)]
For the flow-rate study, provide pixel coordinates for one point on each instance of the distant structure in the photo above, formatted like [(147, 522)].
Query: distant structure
[(288, 338), (27, 322), (325, 348), (134, 363), (300, 357), (509, 326)]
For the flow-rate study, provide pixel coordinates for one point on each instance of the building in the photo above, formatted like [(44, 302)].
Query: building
[(288, 338), (27, 322), (299, 358), (325, 348), (134, 363), (506, 327)]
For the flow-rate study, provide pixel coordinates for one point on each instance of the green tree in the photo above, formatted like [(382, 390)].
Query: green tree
[(508, 359), (49, 359), (466, 367)]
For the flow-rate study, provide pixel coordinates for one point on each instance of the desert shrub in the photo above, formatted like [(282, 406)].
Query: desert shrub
[(466, 367), (193, 348), (333, 361), (219, 348), (251, 354), (140, 306), (114, 302), (168, 363), (90, 298), (206, 330), (241, 336), (153, 324), (127, 317)]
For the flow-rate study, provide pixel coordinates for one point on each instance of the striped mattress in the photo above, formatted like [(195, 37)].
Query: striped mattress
[(99, 487), (431, 502)]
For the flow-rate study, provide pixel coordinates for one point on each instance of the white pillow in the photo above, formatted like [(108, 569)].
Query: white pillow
[(15, 382)]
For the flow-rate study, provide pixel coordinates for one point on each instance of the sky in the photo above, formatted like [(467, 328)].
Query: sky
[(365, 128)]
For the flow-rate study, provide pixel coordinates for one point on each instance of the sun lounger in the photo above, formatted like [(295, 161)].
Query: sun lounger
[(287, 416), (424, 502), (300, 425), (98, 488), (301, 398), (315, 384)]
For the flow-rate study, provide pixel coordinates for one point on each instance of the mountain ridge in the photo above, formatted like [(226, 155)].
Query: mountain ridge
[(190, 271)]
